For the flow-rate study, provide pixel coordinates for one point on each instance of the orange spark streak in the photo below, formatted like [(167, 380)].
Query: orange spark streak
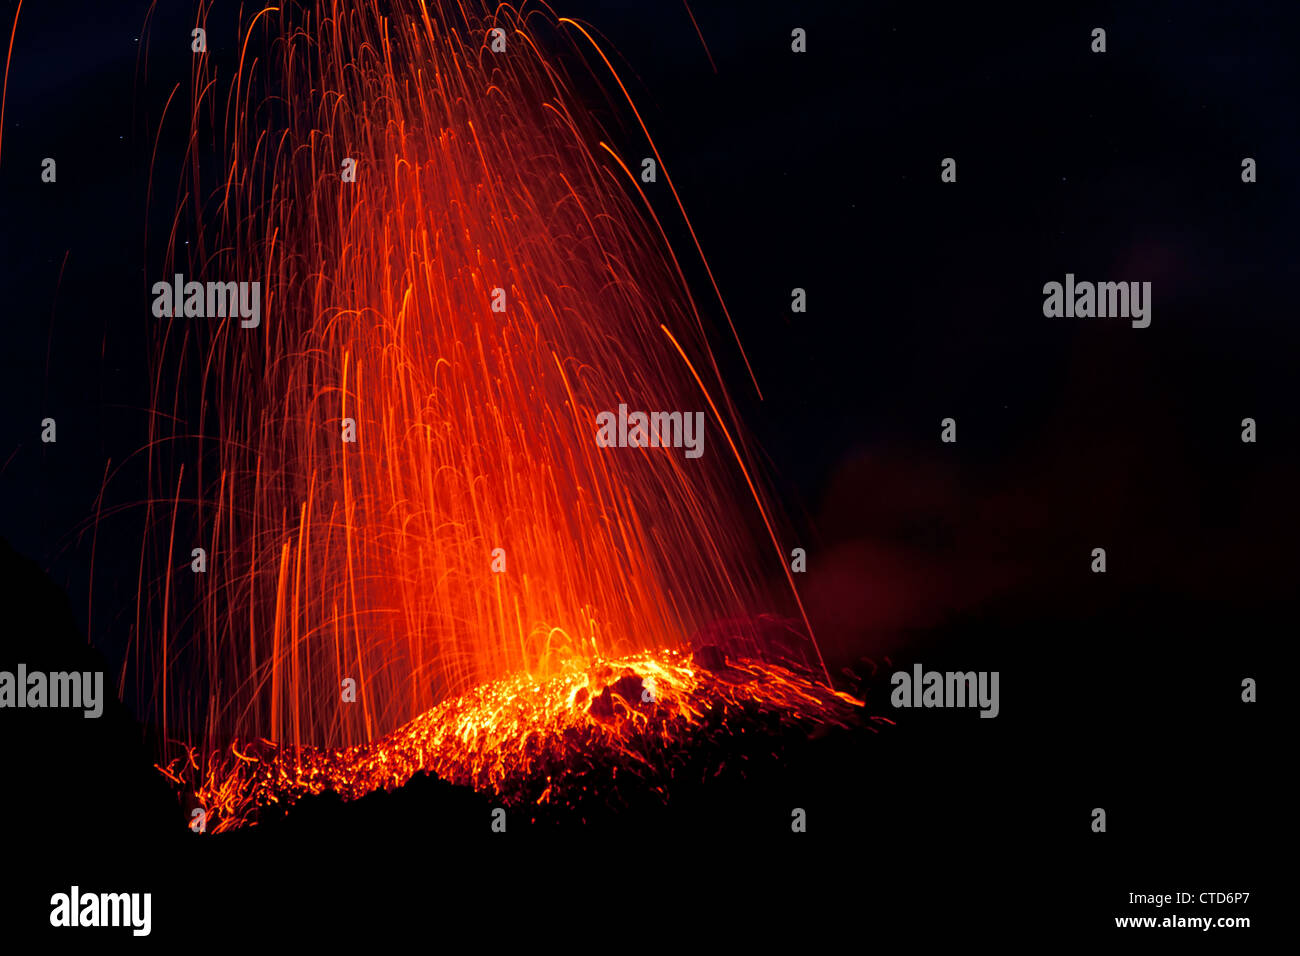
[(373, 563)]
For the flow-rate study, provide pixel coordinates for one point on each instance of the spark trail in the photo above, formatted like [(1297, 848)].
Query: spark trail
[(479, 179)]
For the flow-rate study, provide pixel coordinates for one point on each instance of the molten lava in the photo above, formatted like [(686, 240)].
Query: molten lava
[(393, 476), (529, 741)]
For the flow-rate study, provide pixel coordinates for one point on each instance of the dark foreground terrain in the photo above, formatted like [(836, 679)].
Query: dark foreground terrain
[(944, 823)]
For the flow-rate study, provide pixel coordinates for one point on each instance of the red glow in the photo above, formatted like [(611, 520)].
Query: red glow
[(526, 741), (373, 560)]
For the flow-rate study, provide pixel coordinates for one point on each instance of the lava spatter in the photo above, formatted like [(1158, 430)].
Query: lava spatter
[(528, 741)]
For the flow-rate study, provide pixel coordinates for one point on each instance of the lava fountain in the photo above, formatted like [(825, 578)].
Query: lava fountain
[(405, 518)]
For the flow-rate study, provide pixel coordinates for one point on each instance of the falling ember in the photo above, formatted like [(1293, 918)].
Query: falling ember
[(493, 278)]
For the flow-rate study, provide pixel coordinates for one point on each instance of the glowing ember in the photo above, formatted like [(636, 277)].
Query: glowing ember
[(528, 741), (394, 475)]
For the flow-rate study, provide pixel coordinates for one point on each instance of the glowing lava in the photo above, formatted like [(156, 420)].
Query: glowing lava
[(527, 741), (394, 478)]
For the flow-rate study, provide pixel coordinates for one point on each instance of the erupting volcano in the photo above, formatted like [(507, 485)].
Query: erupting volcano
[(382, 537)]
